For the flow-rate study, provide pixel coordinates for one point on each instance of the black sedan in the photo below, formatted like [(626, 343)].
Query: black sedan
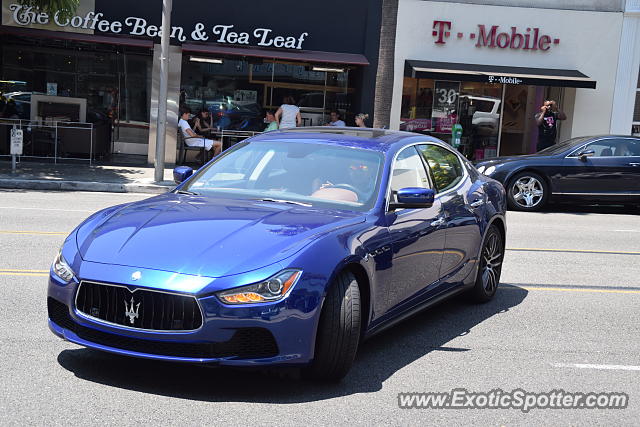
[(595, 169)]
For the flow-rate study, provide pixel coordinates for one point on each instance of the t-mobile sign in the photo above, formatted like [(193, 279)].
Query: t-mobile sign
[(528, 39)]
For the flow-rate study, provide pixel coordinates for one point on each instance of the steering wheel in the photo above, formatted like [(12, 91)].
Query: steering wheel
[(346, 187)]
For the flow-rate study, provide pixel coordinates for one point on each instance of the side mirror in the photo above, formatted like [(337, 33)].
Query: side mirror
[(181, 173), (586, 153), (413, 198)]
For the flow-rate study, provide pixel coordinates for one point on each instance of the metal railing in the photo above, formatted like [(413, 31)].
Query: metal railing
[(49, 133)]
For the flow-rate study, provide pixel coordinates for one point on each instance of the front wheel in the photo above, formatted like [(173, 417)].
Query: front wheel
[(527, 191), (338, 331), (490, 267)]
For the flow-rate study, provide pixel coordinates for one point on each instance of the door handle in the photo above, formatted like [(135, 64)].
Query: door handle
[(634, 164), (438, 222), (477, 203)]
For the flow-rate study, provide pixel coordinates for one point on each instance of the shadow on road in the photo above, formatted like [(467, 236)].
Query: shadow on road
[(378, 359), (590, 209)]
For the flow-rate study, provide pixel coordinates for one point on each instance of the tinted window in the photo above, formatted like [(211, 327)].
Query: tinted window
[(445, 166), (614, 147), (408, 171), (483, 106)]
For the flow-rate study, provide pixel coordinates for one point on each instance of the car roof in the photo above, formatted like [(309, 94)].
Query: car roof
[(611, 136), (355, 137)]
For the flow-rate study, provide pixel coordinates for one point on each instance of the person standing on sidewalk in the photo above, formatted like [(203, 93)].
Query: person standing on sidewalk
[(547, 121), (288, 115)]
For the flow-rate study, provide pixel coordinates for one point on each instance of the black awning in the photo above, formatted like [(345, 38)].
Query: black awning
[(292, 55), (79, 37), (497, 74)]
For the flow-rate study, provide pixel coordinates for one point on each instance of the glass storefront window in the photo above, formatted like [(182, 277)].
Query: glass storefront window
[(115, 80), (251, 88), (488, 128)]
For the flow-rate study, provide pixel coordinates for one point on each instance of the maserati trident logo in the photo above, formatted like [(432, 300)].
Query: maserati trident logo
[(129, 312), (136, 276)]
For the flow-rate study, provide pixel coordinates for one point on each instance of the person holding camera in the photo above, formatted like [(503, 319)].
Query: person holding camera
[(547, 121)]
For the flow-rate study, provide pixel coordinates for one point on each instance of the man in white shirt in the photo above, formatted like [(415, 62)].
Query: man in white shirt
[(335, 120), (192, 139)]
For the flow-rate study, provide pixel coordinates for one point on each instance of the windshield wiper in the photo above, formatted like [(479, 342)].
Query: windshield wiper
[(190, 193), (284, 201)]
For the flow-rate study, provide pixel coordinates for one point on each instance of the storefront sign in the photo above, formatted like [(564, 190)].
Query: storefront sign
[(245, 96), (504, 80), (445, 105), (52, 89), (492, 36), (28, 16)]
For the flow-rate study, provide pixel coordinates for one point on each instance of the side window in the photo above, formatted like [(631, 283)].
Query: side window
[(625, 147), (602, 148), (408, 171), (613, 147), (446, 168)]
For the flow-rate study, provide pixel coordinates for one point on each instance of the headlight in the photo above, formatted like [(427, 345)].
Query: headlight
[(481, 169), (273, 289), (489, 170), (62, 269)]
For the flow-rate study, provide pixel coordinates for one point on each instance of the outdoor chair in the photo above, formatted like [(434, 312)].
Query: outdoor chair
[(183, 147)]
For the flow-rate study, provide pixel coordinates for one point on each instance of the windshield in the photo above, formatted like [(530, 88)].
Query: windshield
[(563, 145), (305, 173)]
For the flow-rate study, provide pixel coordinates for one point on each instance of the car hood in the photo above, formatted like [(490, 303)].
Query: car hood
[(205, 236)]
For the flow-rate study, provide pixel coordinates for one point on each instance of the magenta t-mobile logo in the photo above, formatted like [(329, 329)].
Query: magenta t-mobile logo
[(441, 30)]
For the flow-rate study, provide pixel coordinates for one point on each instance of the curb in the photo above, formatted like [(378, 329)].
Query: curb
[(108, 187)]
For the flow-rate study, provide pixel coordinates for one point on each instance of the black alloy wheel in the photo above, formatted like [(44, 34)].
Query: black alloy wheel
[(490, 267)]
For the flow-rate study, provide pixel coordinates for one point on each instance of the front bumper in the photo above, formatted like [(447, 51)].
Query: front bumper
[(280, 333)]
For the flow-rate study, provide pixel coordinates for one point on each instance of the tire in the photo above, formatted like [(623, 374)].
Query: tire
[(338, 331), (490, 266), (527, 191)]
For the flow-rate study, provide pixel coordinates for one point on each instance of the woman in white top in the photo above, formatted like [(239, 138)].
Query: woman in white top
[(288, 115)]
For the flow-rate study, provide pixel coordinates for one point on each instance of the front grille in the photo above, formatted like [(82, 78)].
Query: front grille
[(142, 309), (246, 343)]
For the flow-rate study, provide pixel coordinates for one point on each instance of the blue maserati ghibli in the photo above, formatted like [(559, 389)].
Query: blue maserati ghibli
[(290, 248)]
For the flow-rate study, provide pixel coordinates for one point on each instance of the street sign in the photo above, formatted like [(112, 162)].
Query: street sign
[(16, 142)]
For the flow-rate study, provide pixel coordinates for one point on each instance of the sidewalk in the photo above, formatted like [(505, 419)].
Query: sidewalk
[(82, 177)]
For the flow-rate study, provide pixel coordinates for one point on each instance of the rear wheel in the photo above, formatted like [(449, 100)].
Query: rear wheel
[(490, 267), (338, 331), (527, 191)]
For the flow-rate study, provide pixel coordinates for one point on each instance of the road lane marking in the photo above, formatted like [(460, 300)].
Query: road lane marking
[(11, 273), (592, 366), (579, 251), (547, 288), (628, 231), (47, 209), (43, 233)]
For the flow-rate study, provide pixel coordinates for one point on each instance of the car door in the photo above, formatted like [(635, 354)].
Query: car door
[(462, 205), (416, 235), (612, 171)]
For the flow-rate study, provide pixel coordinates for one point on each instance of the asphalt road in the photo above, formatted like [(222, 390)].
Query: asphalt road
[(566, 317)]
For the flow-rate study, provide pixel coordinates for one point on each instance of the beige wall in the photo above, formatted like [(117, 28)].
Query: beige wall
[(589, 42)]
